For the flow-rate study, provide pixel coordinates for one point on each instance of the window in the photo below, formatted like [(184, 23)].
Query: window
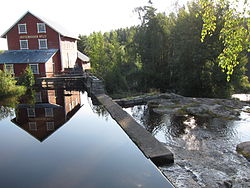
[(41, 28), (9, 68), (31, 112), (24, 44), (49, 112), (50, 126), (22, 28), (34, 68), (42, 43), (38, 97), (32, 126)]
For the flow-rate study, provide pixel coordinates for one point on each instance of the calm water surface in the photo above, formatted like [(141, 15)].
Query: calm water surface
[(61, 142)]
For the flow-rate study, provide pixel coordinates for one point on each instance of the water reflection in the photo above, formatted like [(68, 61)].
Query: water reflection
[(6, 110), (86, 152), (50, 110), (191, 131)]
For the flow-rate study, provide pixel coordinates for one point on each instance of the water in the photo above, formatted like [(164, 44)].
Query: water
[(166, 128), (204, 148), (68, 142), (242, 97)]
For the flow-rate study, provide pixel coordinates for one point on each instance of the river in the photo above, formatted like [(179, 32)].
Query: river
[(204, 148), (64, 140)]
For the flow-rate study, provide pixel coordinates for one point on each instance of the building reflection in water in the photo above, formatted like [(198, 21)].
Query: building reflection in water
[(52, 109)]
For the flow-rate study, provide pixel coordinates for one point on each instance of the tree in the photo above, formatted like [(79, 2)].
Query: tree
[(154, 47), (27, 78), (82, 43), (8, 85), (234, 33)]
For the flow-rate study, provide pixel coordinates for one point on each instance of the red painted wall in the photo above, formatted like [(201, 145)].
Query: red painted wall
[(65, 58), (20, 68), (57, 60), (13, 37), (41, 133), (72, 101), (59, 118)]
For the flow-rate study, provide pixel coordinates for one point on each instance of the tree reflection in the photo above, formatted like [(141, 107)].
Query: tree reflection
[(7, 106), (100, 111)]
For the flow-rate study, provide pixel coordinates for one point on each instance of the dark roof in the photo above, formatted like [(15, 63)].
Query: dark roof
[(58, 28), (82, 57), (26, 56)]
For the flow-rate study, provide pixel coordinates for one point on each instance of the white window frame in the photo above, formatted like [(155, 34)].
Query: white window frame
[(32, 126), (36, 68), (39, 43), (11, 70), (33, 114), (49, 112), (19, 29), (50, 126), (21, 44), (38, 31)]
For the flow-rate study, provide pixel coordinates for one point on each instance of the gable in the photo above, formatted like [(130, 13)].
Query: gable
[(54, 26)]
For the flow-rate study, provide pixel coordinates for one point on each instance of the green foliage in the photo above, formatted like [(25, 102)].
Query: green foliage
[(113, 58), (82, 43), (234, 33), (166, 52), (27, 78), (8, 85)]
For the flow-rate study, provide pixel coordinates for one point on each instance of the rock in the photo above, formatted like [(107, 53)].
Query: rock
[(228, 184), (170, 103), (244, 149)]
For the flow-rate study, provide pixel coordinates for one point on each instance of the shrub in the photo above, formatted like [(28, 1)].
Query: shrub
[(27, 78), (8, 85)]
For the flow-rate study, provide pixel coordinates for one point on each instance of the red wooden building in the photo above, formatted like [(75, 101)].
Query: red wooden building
[(46, 47)]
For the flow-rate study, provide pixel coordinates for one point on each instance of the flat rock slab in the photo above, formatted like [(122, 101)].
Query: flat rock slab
[(149, 145), (244, 149)]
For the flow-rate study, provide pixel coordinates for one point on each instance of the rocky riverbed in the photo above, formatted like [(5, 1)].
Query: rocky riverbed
[(170, 103), (203, 135)]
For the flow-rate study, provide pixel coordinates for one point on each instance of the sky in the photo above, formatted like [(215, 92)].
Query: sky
[(79, 16)]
